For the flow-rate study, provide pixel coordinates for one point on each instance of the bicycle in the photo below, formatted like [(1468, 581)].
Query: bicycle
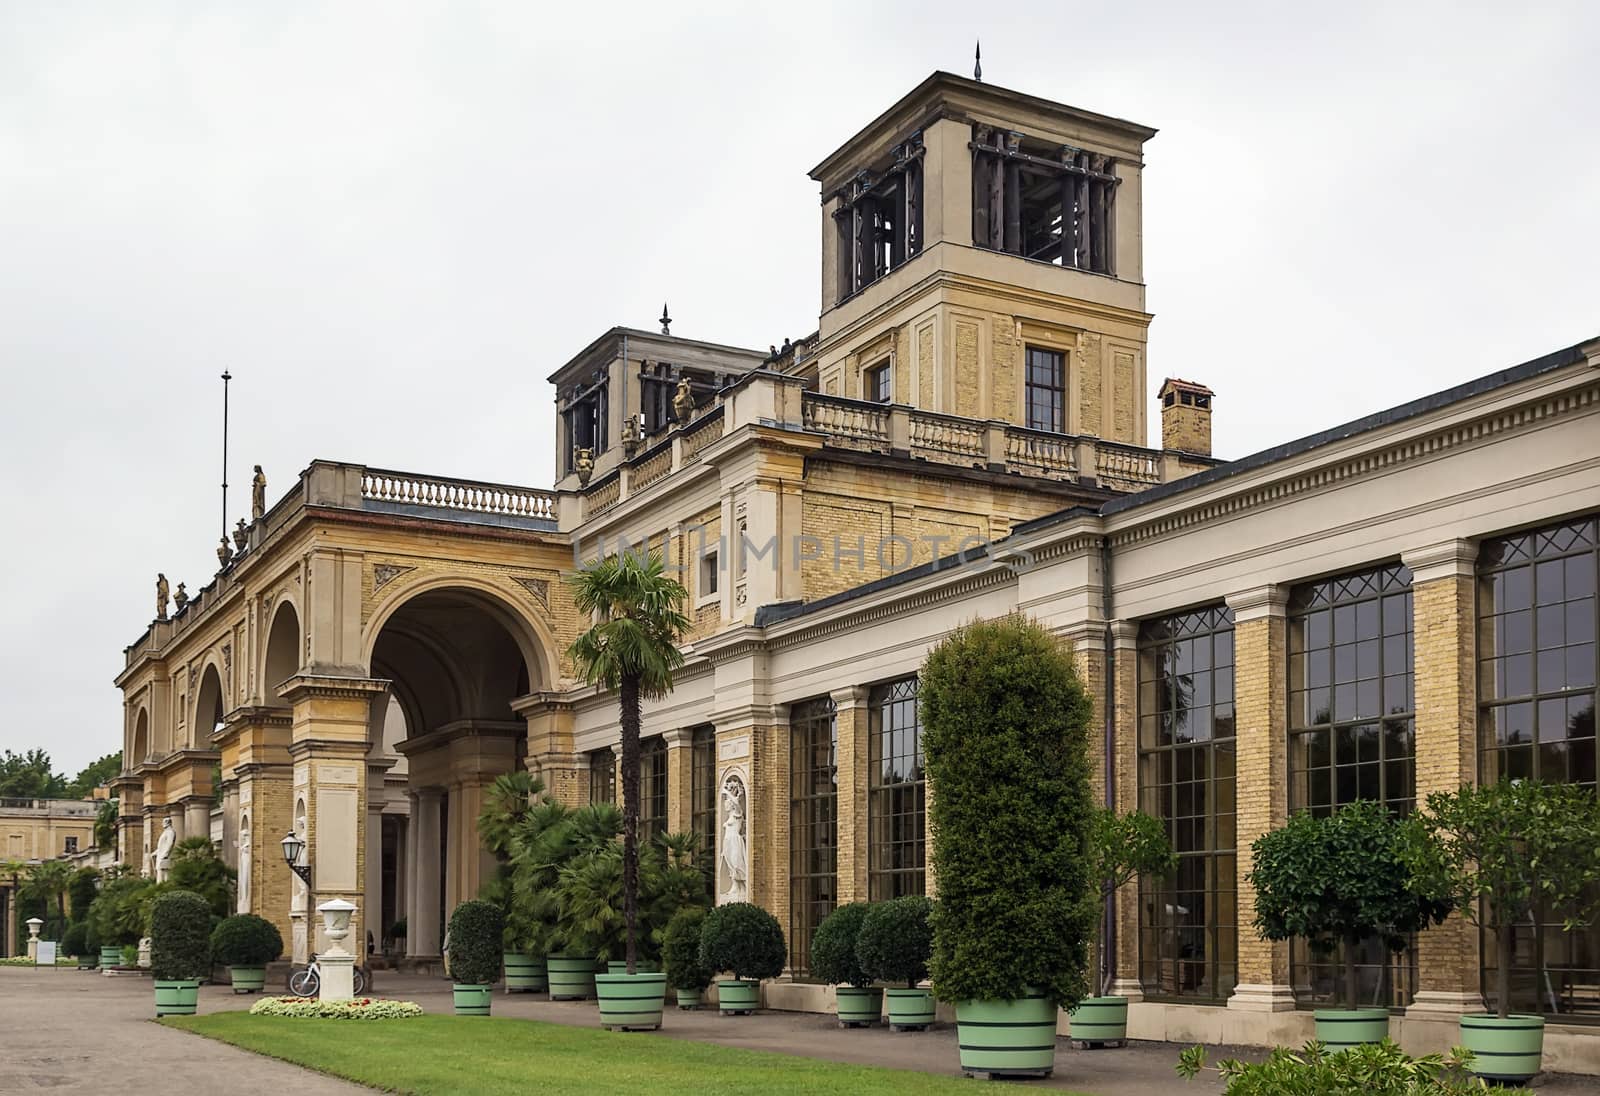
[(307, 981)]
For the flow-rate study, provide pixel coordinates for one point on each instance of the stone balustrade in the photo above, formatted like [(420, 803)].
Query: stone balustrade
[(442, 493)]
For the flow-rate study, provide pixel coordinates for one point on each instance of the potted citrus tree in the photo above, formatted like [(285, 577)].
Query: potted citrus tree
[(1500, 852), (245, 944), (680, 955), (833, 959), (180, 950), (894, 945), (1336, 881), (632, 648), (747, 942), (1125, 846), (1005, 728), (476, 931)]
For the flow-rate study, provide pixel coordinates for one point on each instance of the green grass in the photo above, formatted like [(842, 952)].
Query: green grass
[(434, 1055)]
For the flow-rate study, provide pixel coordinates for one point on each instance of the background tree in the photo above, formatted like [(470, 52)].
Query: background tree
[(105, 825), (48, 882), (29, 776), (632, 648), (94, 774), (1339, 880), (196, 867), (1500, 851), (81, 891)]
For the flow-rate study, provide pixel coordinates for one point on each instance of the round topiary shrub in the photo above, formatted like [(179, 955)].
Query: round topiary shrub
[(180, 937), (1005, 727), (833, 948), (896, 940), (743, 939), (245, 940), (680, 951), (476, 929), (75, 941)]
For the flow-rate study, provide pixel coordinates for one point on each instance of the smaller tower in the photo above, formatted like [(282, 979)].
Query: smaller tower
[(1185, 416)]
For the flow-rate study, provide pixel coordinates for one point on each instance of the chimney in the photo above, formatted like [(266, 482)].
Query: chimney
[(1185, 416)]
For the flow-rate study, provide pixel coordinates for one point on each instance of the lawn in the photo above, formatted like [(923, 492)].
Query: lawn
[(435, 1055)]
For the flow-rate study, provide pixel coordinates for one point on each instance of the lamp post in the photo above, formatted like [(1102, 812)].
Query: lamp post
[(293, 846), (34, 925)]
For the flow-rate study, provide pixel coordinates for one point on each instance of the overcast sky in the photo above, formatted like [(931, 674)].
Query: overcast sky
[(392, 221)]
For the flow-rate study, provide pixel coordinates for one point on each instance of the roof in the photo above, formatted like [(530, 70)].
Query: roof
[(1181, 385)]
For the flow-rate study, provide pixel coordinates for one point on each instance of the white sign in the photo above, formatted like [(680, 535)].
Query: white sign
[(46, 954)]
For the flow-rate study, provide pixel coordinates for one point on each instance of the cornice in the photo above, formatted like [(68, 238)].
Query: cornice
[(323, 686), (938, 588), (1381, 460), (1447, 559), (1259, 603)]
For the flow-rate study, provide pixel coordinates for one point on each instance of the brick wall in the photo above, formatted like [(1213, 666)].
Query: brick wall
[(1263, 786)]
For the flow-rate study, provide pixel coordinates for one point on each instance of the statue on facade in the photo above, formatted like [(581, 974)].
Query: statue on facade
[(243, 845), (683, 401), (258, 495), (161, 859), (731, 848), (181, 598), (583, 464), (224, 552), (161, 596), (631, 435)]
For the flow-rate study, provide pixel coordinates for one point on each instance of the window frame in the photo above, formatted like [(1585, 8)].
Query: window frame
[(896, 858), (652, 788), (878, 380), (703, 796), (1205, 837), (606, 791), (813, 825), (1056, 390)]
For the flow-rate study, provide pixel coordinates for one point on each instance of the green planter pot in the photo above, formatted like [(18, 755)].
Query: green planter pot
[(1007, 1038), (859, 1006), (525, 973), (571, 977), (631, 1002), (1101, 1021), (111, 957), (909, 1009), (472, 1000), (248, 979), (688, 999), (1504, 1050), (178, 997), (640, 966), (738, 996), (88, 962), (1343, 1028)]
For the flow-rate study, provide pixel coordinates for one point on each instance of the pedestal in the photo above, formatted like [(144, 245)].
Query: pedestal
[(338, 976)]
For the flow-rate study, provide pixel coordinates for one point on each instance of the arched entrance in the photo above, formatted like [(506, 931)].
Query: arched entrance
[(457, 656)]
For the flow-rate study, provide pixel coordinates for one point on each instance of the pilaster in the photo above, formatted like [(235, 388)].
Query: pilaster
[(1125, 683), (680, 778), (1444, 675), (1261, 715), (550, 754), (851, 724)]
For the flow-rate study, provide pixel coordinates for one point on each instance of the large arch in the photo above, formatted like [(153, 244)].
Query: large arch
[(209, 706), (457, 654), (139, 747), (282, 658)]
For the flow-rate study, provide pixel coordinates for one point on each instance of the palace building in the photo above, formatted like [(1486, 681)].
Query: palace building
[(1391, 607)]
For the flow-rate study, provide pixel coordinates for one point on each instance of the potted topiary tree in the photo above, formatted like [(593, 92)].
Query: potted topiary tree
[(245, 944), (680, 955), (1124, 846), (1499, 852), (894, 945), (476, 932), (833, 959), (1336, 881), (746, 941), (1005, 729), (180, 950)]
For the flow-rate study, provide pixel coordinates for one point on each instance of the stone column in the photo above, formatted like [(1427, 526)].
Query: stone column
[(423, 930), (550, 754), (1261, 718), (373, 902), (1444, 668), (412, 901), (196, 818), (850, 722), (329, 747), (680, 778)]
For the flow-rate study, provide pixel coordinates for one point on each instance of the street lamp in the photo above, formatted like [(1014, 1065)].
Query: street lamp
[(293, 846)]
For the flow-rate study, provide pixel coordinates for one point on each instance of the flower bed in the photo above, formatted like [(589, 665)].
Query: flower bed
[(361, 1008)]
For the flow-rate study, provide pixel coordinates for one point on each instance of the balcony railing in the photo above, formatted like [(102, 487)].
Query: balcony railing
[(442, 493), (961, 442)]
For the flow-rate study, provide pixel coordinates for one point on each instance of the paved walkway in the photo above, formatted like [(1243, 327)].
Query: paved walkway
[(74, 1031)]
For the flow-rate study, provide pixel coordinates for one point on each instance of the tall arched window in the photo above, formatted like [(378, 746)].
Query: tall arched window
[(813, 824), (896, 821)]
